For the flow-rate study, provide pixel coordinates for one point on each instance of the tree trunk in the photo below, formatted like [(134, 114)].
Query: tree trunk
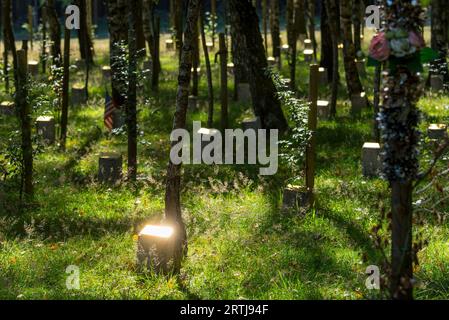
[(440, 37), (223, 82), (117, 13), (65, 89), (196, 59), (178, 21), (85, 34), (173, 211), (275, 29), (24, 109), (265, 24), (131, 105), (210, 113), (251, 52), (138, 27), (55, 32), (352, 76), (311, 14), (327, 60), (214, 18), (8, 35), (357, 16), (332, 10)]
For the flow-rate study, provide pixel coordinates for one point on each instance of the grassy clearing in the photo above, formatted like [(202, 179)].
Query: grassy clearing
[(241, 246)]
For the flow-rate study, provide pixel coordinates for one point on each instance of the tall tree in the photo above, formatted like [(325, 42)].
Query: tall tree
[(295, 25), (85, 34), (251, 52), (332, 10), (65, 88), (118, 37), (55, 32), (327, 60), (440, 37), (357, 21), (275, 29), (173, 210), (352, 76), (311, 15), (210, 113), (131, 105), (8, 35)]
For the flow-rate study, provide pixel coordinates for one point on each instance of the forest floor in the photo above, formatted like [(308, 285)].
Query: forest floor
[(241, 244)]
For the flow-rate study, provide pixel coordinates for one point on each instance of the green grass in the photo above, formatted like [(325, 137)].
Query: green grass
[(241, 245)]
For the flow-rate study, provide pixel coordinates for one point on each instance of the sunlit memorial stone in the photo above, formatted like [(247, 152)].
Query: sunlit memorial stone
[(294, 198), (7, 108), (243, 92), (169, 44), (437, 83), (45, 127), (308, 44), (323, 76), (110, 168), (371, 161), (106, 71), (323, 109), (437, 131), (210, 46), (156, 248), (308, 55), (193, 103), (271, 61), (230, 67), (79, 96), (358, 102), (207, 136), (284, 48), (33, 67), (254, 124)]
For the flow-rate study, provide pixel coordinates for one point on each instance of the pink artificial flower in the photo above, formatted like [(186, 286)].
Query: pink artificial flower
[(416, 40), (379, 48)]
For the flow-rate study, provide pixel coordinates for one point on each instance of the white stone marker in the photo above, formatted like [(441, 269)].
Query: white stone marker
[(79, 95), (46, 129), (323, 76), (437, 131), (193, 103), (7, 108), (254, 124), (371, 162), (323, 109), (33, 67), (169, 44), (308, 55), (106, 71), (110, 168), (358, 102)]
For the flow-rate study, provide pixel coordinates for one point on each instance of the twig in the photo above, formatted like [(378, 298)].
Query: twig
[(438, 154)]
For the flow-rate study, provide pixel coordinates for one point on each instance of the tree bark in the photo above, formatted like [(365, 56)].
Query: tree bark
[(173, 211), (440, 38), (131, 105), (352, 76), (251, 52), (332, 10), (357, 21), (210, 113), (311, 15), (65, 89), (85, 34), (55, 32), (223, 81), (117, 13), (275, 29), (8, 35), (327, 60)]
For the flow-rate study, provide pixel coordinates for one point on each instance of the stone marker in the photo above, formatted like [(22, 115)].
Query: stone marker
[(106, 71), (147, 65), (79, 95), (169, 44), (295, 197), (308, 44), (155, 248), (80, 64), (33, 67), (371, 162), (210, 46), (437, 131), (323, 109), (254, 124), (437, 83), (110, 168), (361, 67), (323, 76), (210, 134), (243, 92), (358, 102), (46, 129), (285, 48), (7, 108), (230, 67), (272, 61), (193, 103), (308, 55)]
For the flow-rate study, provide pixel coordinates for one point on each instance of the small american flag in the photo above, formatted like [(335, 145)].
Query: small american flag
[(109, 112)]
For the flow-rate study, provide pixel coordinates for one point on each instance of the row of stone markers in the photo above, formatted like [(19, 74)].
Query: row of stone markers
[(371, 151)]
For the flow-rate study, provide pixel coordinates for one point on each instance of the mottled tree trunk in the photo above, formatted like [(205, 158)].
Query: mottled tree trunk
[(210, 89), (357, 21), (251, 52), (117, 10), (196, 59), (8, 36), (85, 34), (275, 29), (311, 15), (65, 89), (327, 60), (131, 105), (332, 10), (173, 211), (55, 32), (440, 37), (352, 76)]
